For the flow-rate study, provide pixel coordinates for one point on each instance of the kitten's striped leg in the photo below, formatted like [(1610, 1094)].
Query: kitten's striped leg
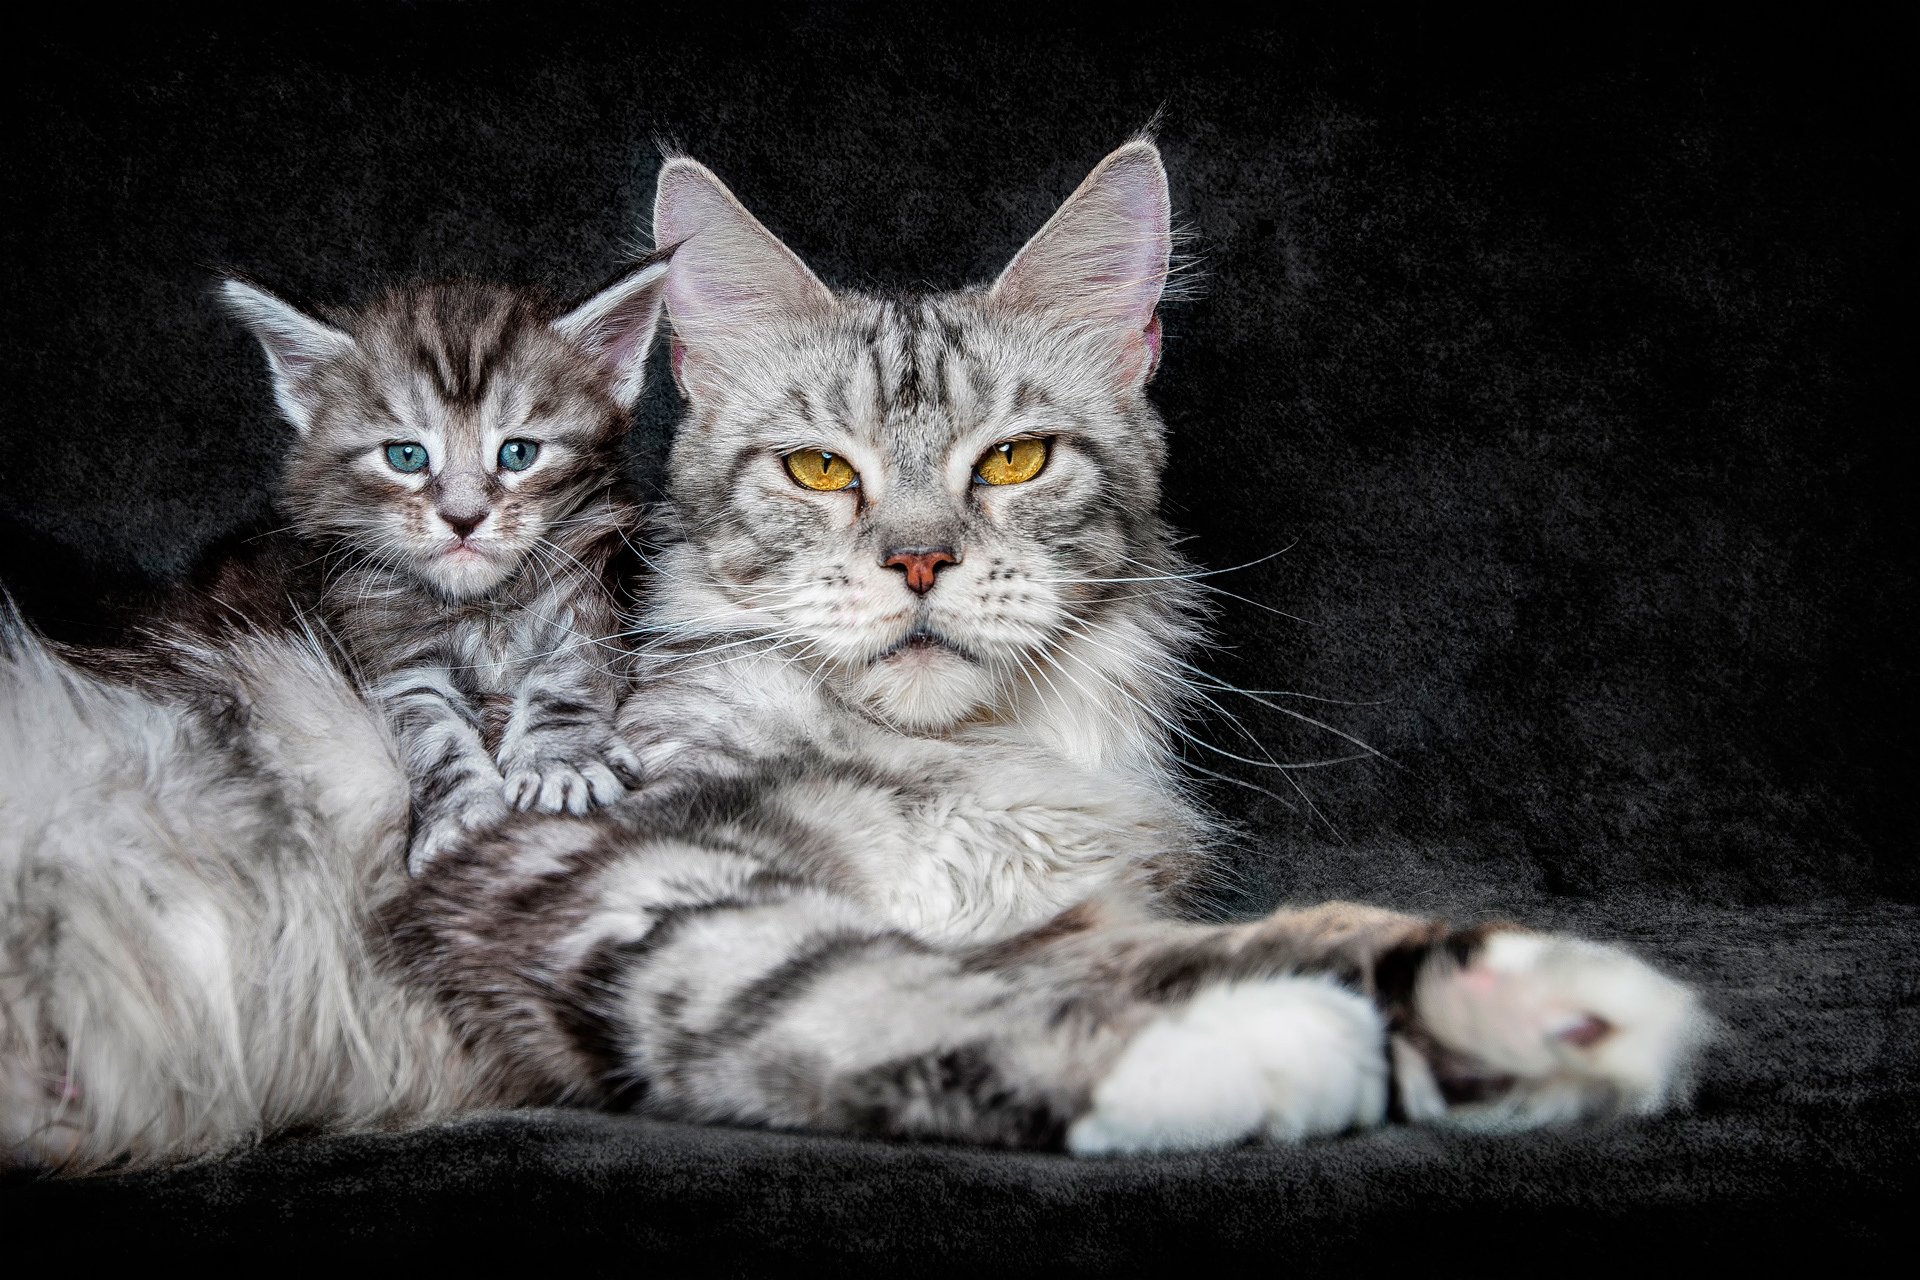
[(453, 783), (560, 751)]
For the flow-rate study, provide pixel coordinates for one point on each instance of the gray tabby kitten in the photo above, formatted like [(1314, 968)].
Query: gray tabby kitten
[(908, 853), (458, 461)]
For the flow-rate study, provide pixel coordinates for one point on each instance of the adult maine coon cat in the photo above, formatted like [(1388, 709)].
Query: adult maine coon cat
[(911, 838)]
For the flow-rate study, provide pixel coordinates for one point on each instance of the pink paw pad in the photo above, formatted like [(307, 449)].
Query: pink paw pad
[(1584, 1031)]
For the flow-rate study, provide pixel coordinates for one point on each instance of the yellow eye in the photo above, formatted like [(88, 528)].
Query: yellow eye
[(1012, 461), (820, 470)]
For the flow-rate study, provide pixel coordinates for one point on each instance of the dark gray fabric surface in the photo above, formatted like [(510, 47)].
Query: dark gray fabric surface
[(1570, 362)]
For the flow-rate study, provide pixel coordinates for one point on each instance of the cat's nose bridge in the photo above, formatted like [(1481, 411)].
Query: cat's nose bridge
[(462, 498), (918, 511)]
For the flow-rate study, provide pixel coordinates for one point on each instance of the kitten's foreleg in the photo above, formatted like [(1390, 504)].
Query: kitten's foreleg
[(560, 751), (454, 785)]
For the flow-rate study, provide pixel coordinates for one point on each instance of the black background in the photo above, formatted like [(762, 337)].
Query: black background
[(1569, 365)]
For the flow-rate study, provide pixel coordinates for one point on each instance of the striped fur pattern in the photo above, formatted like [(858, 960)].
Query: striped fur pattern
[(906, 860), (477, 600)]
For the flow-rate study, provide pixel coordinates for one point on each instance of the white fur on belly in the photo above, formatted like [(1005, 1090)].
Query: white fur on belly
[(1281, 1058)]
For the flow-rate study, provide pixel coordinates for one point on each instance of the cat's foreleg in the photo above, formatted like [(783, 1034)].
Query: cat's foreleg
[(1331, 1018), (795, 1009), (453, 783), (742, 995), (1491, 1028)]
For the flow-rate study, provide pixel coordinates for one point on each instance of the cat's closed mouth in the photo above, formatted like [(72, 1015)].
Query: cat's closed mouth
[(922, 639)]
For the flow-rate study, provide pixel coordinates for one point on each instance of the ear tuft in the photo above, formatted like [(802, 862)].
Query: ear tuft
[(729, 276), (1101, 261), (616, 326), (297, 346)]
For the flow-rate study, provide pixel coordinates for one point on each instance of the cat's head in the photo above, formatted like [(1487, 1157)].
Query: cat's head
[(923, 498), (445, 429)]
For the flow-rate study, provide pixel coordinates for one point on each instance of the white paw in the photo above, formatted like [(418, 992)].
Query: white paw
[(1281, 1058), (1547, 1030), (558, 784)]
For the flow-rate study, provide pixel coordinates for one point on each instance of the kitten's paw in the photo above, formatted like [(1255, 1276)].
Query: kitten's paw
[(570, 781), (466, 814), (1280, 1058), (1535, 1029)]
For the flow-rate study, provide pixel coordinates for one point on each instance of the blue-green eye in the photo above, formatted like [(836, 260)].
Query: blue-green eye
[(518, 455), (406, 456)]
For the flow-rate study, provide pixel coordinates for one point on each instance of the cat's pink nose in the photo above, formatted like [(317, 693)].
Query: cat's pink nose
[(920, 564)]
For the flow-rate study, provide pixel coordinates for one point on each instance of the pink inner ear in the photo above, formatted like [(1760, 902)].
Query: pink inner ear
[(1140, 353), (679, 356)]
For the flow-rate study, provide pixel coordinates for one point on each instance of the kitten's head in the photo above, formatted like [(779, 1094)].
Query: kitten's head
[(923, 498), (444, 429)]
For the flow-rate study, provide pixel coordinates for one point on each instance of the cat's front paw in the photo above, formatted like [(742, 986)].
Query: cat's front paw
[(568, 776), (1515, 1030), (458, 818), (1283, 1059)]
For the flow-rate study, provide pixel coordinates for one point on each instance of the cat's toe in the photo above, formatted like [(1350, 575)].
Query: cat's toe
[(603, 784), (522, 789), (1533, 1029), (430, 843), (625, 764), (562, 790)]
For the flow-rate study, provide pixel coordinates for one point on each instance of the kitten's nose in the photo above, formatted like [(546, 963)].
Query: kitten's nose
[(463, 522), (920, 564)]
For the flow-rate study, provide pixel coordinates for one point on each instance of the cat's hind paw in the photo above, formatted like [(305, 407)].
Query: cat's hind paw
[(1532, 1029)]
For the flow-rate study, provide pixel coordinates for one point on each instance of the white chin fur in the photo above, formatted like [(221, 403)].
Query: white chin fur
[(466, 577), (1511, 1009), (923, 689), (1282, 1058)]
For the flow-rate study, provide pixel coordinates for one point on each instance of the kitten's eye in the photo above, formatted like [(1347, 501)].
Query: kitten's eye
[(518, 455), (406, 456), (1012, 461), (819, 470)]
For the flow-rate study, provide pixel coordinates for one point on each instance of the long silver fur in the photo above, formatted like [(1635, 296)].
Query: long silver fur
[(906, 862)]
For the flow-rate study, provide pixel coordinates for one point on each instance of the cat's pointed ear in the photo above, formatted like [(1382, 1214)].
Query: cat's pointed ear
[(615, 326), (297, 346), (730, 277), (1101, 261)]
